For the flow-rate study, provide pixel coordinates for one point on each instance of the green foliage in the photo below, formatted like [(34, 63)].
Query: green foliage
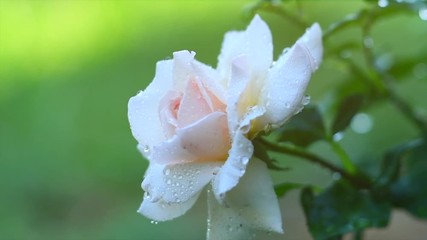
[(409, 190), (304, 129), (341, 209), (358, 201), (349, 107), (283, 188)]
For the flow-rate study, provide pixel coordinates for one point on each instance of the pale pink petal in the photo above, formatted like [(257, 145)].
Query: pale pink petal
[(239, 155), (203, 141), (240, 119), (182, 69), (255, 43), (238, 83), (168, 112), (285, 87), (178, 182), (143, 109), (162, 211), (252, 204), (209, 79), (193, 106)]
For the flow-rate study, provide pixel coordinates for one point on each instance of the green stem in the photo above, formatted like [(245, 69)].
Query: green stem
[(343, 156), (343, 24), (387, 82), (280, 11), (357, 180)]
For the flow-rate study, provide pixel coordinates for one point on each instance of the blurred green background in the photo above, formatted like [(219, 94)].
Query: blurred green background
[(69, 168)]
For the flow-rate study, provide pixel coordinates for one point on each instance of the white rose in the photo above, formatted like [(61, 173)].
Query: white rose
[(194, 125)]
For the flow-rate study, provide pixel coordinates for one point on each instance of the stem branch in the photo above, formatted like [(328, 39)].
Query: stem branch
[(357, 180)]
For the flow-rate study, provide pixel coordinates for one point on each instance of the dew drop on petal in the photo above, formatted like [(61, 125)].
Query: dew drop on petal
[(245, 160), (306, 100), (146, 149), (167, 171)]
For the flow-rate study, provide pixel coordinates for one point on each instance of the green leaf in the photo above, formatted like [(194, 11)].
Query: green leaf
[(304, 128), (346, 111), (283, 188), (341, 209), (409, 191)]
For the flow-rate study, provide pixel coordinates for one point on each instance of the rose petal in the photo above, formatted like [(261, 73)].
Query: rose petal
[(237, 85), (235, 166), (252, 204), (225, 223), (209, 79), (182, 69), (311, 41), (168, 112), (255, 200), (193, 106), (203, 141), (177, 183), (162, 211), (255, 43), (287, 81), (143, 108)]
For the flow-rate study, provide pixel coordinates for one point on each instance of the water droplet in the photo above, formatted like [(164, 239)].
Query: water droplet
[(167, 172), (306, 100), (179, 176), (361, 123), (336, 176), (285, 50), (168, 181), (146, 149), (230, 228), (244, 129), (245, 160), (300, 108), (154, 222), (338, 136), (368, 42), (384, 62), (383, 3), (287, 105), (423, 14)]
